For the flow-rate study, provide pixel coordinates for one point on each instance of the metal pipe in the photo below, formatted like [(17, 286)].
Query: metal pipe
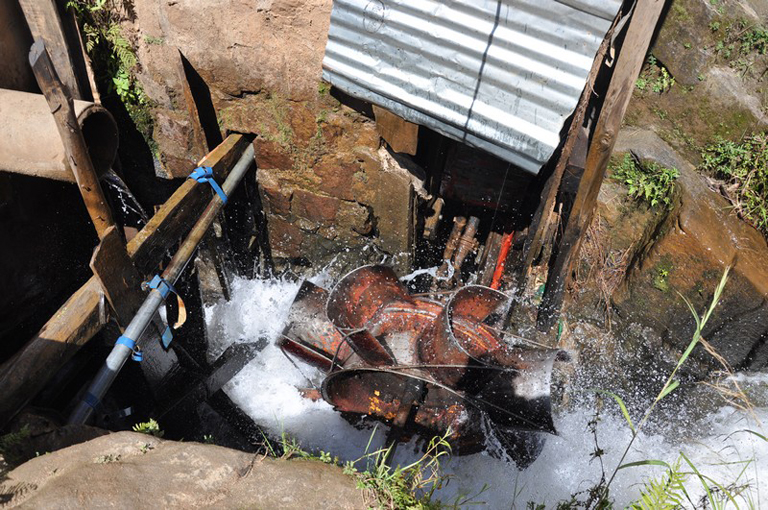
[(135, 330), (30, 143)]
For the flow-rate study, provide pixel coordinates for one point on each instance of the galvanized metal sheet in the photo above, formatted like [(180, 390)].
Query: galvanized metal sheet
[(501, 75)]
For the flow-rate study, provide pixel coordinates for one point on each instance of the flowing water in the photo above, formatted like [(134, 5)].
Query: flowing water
[(720, 441)]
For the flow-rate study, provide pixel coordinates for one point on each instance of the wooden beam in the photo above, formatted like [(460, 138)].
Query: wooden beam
[(84, 313), (401, 135), (44, 23), (63, 110), (544, 214), (628, 65), (120, 281)]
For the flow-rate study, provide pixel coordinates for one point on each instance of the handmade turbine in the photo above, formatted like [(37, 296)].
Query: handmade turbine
[(423, 366)]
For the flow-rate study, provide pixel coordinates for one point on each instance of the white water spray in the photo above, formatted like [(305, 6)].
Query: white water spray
[(722, 449)]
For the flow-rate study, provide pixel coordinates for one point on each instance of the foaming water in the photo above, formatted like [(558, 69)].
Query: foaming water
[(718, 443)]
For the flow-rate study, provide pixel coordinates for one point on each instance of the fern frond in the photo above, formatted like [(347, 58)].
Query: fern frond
[(665, 493)]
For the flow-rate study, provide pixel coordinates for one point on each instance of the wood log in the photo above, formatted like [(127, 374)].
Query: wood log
[(85, 313), (44, 22), (63, 110), (629, 62)]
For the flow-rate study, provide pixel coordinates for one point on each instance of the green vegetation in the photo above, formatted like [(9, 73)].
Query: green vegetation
[(113, 57), (651, 183), (10, 442), (385, 487), (654, 77), (150, 427), (741, 43), (744, 168)]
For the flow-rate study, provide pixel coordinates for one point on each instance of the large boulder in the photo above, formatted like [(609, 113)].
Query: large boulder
[(683, 253), (130, 470)]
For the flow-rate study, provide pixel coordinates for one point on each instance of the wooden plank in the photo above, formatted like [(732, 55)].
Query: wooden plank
[(628, 65), (84, 313), (120, 281), (63, 110), (44, 23), (544, 214), (401, 135)]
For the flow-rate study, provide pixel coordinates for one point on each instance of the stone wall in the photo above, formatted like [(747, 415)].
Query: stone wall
[(325, 185)]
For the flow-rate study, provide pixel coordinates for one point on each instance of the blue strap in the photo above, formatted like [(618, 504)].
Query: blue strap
[(205, 174), (167, 337), (162, 286), (131, 344)]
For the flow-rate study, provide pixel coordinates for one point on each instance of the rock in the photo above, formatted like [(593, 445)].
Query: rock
[(683, 40), (686, 256), (131, 470)]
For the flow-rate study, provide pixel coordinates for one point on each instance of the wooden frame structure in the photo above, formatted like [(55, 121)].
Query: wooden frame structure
[(585, 154)]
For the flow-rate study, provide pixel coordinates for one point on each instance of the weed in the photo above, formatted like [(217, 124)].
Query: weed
[(411, 486), (159, 41), (741, 43), (743, 166), (107, 459), (150, 427), (655, 77), (651, 183), (669, 386), (208, 439)]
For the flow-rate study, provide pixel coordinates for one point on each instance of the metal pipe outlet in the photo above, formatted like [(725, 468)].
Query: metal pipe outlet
[(30, 143), (138, 325)]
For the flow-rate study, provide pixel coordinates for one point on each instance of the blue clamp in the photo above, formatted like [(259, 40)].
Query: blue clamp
[(162, 286), (205, 174), (131, 344)]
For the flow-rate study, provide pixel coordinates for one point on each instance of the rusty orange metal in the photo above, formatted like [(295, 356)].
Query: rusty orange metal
[(422, 365)]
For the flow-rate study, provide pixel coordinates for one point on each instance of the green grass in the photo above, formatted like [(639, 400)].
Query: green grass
[(650, 183), (384, 486), (744, 168)]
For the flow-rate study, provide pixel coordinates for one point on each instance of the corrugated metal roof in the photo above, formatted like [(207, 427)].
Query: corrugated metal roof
[(501, 75)]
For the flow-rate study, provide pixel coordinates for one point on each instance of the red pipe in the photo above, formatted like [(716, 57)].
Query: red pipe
[(506, 244)]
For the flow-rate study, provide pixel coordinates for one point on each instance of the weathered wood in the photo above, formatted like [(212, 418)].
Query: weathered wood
[(401, 135), (84, 313), (120, 281), (628, 65), (544, 214), (199, 143), (63, 110), (44, 23)]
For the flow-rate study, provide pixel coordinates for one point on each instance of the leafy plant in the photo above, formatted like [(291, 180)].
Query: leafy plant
[(744, 168), (651, 183), (113, 57), (655, 77), (665, 493), (150, 427)]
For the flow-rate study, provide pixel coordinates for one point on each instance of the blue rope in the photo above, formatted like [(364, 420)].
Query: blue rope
[(205, 174)]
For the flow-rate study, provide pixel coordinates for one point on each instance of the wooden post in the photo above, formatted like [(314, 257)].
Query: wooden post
[(628, 65), (45, 23), (85, 313), (63, 110), (542, 218)]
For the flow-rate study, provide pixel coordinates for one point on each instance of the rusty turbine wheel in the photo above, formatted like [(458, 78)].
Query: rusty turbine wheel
[(423, 366)]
